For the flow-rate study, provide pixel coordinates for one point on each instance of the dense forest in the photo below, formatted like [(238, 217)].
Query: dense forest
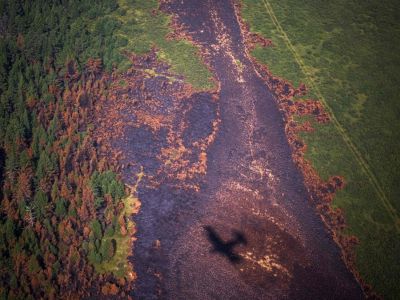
[(58, 197)]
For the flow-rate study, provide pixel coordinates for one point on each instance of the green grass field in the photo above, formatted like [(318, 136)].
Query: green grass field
[(347, 52), (141, 30), (119, 263)]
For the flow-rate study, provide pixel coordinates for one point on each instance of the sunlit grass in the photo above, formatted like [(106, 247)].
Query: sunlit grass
[(119, 264), (351, 52), (144, 27)]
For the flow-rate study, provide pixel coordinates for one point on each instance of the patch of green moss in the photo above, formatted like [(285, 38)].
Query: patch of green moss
[(143, 26), (118, 264)]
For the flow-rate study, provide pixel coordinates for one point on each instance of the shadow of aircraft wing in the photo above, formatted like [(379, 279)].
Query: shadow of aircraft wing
[(225, 248)]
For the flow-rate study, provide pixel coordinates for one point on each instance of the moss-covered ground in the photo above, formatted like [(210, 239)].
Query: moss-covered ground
[(142, 26), (347, 53), (119, 263)]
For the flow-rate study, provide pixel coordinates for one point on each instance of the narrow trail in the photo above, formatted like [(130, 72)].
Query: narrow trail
[(248, 231), (350, 144)]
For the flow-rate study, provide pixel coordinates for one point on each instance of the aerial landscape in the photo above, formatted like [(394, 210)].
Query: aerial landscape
[(199, 149)]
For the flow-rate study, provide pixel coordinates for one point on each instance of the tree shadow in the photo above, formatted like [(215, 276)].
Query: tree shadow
[(226, 248)]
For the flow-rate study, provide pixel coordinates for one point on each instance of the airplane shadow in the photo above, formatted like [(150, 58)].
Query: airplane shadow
[(226, 248)]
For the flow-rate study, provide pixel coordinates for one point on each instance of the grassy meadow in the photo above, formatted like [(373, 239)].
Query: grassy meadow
[(142, 26), (119, 262), (347, 53)]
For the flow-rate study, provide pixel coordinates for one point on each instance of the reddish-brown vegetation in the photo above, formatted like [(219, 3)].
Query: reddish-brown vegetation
[(77, 159), (136, 100), (321, 192)]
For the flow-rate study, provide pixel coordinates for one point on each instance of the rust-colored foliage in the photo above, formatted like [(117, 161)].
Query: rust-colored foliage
[(67, 270), (136, 104), (321, 192)]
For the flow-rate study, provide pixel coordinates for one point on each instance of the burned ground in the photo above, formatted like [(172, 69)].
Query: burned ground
[(222, 159)]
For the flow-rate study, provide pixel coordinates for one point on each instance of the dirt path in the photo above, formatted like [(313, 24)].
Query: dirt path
[(251, 195)]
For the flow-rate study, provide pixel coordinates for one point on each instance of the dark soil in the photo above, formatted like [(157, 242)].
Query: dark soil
[(225, 213)]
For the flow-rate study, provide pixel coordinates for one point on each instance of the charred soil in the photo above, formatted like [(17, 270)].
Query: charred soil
[(227, 160)]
